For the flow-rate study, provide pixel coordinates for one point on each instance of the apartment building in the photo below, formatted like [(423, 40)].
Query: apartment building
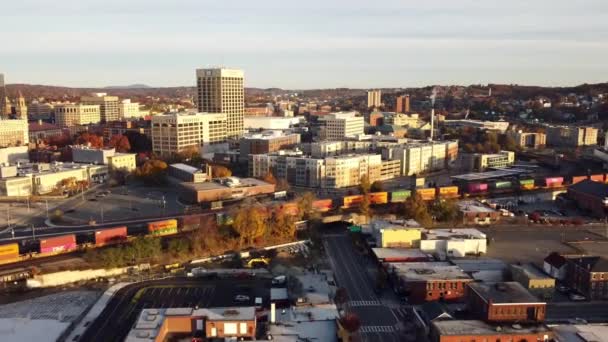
[(128, 109), (266, 142), (479, 162), (108, 105), (222, 91), (38, 110), (374, 98), (529, 140), (345, 171), (402, 104), (14, 132), (588, 275), (567, 136), (76, 114), (420, 157), (400, 119), (176, 132), (121, 127), (340, 125)]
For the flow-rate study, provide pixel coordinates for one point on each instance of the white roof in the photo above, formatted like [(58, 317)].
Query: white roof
[(388, 253), (453, 234), (186, 168)]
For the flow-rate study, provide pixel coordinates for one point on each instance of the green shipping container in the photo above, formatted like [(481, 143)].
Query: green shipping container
[(503, 185), (526, 182), (355, 229), (400, 196)]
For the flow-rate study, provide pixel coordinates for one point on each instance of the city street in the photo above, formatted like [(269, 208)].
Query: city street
[(590, 311), (381, 319)]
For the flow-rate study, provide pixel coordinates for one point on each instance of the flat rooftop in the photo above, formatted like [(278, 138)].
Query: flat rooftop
[(185, 167), (503, 292), (473, 327), (399, 253), (532, 272), (454, 233), (474, 206), (480, 264), (429, 271), (476, 176), (209, 186)]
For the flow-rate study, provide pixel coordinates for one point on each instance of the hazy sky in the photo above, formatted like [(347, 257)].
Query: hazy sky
[(305, 44)]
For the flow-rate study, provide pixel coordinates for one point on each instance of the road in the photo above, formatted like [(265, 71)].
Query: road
[(593, 312), (382, 319), (117, 319)]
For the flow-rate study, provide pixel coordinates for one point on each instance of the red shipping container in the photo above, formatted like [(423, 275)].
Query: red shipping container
[(554, 181), (322, 205), (56, 244), (478, 187), (112, 235)]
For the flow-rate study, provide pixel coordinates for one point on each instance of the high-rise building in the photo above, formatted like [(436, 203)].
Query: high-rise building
[(374, 98), (21, 108), (222, 91), (571, 136), (402, 104), (174, 133), (3, 96), (340, 125), (128, 109), (108, 105), (14, 133), (75, 114)]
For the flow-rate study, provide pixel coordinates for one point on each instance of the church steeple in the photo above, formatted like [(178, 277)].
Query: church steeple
[(20, 107), (7, 110)]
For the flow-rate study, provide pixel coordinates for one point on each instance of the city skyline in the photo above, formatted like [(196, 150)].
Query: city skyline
[(312, 45)]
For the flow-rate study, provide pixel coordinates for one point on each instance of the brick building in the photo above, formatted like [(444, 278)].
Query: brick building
[(504, 302), (588, 275), (590, 195), (479, 331), (266, 142)]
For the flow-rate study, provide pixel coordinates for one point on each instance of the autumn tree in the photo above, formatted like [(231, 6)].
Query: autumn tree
[(178, 247), (350, 322), (89, 139), (364, 184), (415, 208), (364, 206), (446, 210), (269, 178), (218, 171), (250, 223), (152, 171), (120, 143), (304, 202), (282, 224)]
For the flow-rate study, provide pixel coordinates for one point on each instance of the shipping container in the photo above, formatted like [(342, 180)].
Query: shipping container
[(448, 192), (322, 205), (352, 201), (378, 197), (112, 235), (419, 182), (427, 194), (9, 252), (597, 178), (58, 244), (502, 185), (400, 196), (160, 228), (577, 179), (477, 188), (552, 182)]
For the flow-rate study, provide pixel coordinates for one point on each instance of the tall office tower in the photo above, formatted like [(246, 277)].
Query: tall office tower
[(402, 104), (20, 108), (374, 98), (221, 91), (2, 97), (7, 108), (108, 105)]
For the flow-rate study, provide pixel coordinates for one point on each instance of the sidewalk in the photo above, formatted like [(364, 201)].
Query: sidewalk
[(94, 312)]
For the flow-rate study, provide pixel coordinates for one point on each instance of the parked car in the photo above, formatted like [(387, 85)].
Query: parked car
[(577, 297), (241, 298)]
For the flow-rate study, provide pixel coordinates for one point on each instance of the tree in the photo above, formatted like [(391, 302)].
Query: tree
[(218, 171), (152, 171), (89, 139), (364, 206), (139, 142), (350, 322), (250, 223), (120, 143), (269, 178), (282, 224), (282, 185), (304, 202), (377, 186), (446, 210), (178, 247), (415, 208), (364, 185)]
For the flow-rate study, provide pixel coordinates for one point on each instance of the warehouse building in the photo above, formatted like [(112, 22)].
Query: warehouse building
[(480, 331), (591, 196), (454, 243), (533, 279), (504, 302), (223, 189)]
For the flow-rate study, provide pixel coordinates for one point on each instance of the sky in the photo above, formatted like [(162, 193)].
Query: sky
[(305, 44)]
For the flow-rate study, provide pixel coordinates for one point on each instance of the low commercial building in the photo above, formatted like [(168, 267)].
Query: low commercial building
[(401, 119), (13, 155), (212, 323), (591, 196), (454, 243), (504, 302), (480, 331), (267, 142), (390, 234), (224, 189), (475, 212), (189, 173), (104, 156), (500, 126), (483, 269), (533, 279), (588, 275), (389, 255), (480, 162), (429, 281)]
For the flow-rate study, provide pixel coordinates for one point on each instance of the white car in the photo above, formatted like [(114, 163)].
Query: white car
[(241, 298)]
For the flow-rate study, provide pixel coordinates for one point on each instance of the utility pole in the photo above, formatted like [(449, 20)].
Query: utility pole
[(33, 232)]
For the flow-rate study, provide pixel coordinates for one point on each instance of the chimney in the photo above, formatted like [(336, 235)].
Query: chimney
[(273, 313)]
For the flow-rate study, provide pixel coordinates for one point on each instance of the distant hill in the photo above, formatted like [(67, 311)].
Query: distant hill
[(132, 86)]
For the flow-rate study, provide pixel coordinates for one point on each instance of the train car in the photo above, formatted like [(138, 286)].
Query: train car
[(378, 197), (58, 244), (501, 185), (597, 178), (577, 179), (14, 275), (400, 196), (109, 236), (9, 252), (554, 182), (427, 194), (448, 192), (162, 228), (323, 205), (476, 188), (526, 184), (352, 201)]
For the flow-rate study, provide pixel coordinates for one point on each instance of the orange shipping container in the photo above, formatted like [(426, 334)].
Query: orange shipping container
[(351, 201), (378, 197), (113, 235), (322, 205), (577, 179), (597, 178), (426, 194), (9, 252), (165, 227), (448, 191)]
